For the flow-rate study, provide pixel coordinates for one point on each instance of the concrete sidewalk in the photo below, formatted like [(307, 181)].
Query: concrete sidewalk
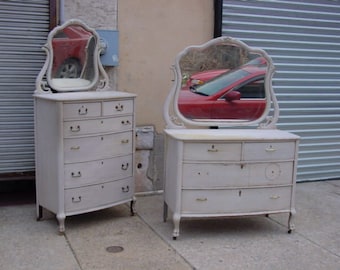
[(112, 239)]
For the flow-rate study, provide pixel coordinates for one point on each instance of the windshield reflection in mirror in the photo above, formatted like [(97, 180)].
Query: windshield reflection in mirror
[(237, 94)]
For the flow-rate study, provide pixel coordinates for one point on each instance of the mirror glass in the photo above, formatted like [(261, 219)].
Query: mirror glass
[(222, 82), (73, 58)]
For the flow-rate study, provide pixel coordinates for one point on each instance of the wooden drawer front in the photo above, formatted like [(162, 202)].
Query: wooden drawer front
[(83, 127), (261, 174), (269, 151), (97, 147), (212, 151), (85, 198), (236, 201), (214, 175), (82, 110), (118, 107), (92, 172)]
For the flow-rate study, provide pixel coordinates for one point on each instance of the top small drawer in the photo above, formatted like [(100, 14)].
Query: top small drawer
[(212, 151), (269, 151), (81, 110), (117, 107)]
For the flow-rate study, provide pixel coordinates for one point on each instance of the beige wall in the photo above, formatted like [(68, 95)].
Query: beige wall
[(151, 33)]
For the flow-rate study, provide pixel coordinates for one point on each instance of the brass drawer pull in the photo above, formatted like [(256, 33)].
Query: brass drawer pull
[(127, 122), (75, 129), (201, 199), (270, 149), (125, 141), (82, 111), (125, 166), (76, 200), (126, 189), (75, 147), (275, 197), (75, 175), (119, 107), (213, 149)]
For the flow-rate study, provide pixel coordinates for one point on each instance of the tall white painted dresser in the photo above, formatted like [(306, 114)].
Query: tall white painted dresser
[(84, 132), (221, 166)]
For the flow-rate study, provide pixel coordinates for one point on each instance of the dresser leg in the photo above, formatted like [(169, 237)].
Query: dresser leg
[(133, 206), (291, 225), (61, 220), (165, 212), (176, 218), (39, 212)]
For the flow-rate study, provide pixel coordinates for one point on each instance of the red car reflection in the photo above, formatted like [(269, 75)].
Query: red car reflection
[(204, 76), (70, 51), (236, 94)]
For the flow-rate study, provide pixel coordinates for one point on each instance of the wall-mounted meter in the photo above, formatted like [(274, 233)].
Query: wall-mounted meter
[(109, 41)]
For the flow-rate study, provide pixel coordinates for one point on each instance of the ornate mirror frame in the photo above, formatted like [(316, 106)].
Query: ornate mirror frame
[(175, 119), (98, 79)]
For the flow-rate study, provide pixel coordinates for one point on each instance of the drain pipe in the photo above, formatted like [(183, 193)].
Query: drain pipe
[(61, 12), (218, 8)]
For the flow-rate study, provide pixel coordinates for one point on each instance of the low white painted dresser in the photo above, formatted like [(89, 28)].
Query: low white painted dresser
[(84, 151), (224, 155), (225, 172)]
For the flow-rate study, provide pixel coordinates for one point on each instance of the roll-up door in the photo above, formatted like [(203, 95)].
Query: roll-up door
[(24, 26), (303, 39)]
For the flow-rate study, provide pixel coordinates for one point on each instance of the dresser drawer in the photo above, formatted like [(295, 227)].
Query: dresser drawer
[(269, 151), (196, 175), (117, 107), (92, 172), (83, 127), (234, 201), (271, 174), (212, 151), (85, 198), (97, 147), (81, 110)]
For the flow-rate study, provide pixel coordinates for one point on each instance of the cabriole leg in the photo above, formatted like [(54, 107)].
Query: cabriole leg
[(61, 220), (165, 212), (291, 226), (176, 218), (133, 206), (39, 212)]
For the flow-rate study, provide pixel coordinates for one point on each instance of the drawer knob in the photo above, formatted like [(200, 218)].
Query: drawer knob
[(75, 129), (76, 200), (126, 189), (75, 175), (125, 141), (125, 166)]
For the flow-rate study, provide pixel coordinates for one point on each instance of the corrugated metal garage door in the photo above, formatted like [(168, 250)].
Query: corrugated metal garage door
[(24, 26), (303, 38)]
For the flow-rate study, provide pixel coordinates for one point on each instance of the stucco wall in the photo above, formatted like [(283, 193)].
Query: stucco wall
[(151, 33)]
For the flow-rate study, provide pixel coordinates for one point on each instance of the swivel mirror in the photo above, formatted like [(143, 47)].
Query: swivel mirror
[(221, 83), (72, 62)]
